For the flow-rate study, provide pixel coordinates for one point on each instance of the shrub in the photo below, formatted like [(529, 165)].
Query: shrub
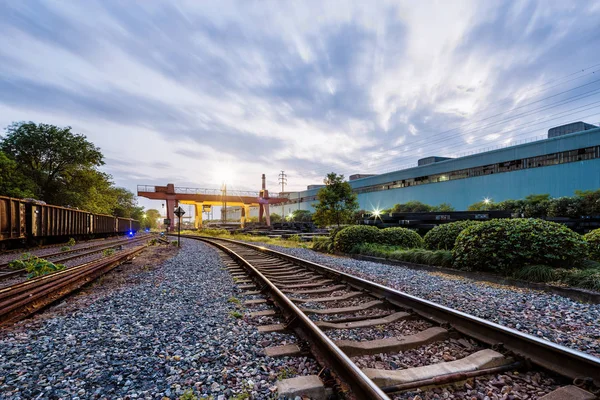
[(537, 273), (400, 237), (351, 236), (323, 244), (65, 248), (505, 245), (442, 237), (442, 258), (593, 240), (333, 233), (587, 278), (34, 266), (71, 242)]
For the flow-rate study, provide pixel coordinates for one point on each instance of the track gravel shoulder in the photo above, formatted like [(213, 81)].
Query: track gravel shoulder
[(549, 316), (169, 330)]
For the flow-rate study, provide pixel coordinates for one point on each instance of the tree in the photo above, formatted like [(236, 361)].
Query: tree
[(411, 206), (12, 182), (49, 155), (126, 204), (302, 216), (151, 219), (337, 202), (275, 218)]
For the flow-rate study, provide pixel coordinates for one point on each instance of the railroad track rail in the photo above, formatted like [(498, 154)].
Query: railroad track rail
[(315, 302), (25, 298), (68, 255)]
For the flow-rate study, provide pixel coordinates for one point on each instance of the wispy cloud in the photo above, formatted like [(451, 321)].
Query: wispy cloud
[(172, 90)]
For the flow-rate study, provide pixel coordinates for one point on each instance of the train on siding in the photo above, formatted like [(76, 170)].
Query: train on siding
[(425, 221), (24, 221)]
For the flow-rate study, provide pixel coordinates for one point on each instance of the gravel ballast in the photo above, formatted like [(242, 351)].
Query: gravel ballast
[(170, 332), (549, 316)]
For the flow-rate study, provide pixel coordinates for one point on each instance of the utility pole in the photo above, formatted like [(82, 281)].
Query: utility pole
[(282, 182)]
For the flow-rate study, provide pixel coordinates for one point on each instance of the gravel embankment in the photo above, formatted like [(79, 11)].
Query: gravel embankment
[(552, 317), (169, 333)]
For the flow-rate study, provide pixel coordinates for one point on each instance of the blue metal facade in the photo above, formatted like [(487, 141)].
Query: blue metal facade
[(557, 180)]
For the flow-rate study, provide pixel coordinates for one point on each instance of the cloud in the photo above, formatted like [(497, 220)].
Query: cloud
[(174, 91)]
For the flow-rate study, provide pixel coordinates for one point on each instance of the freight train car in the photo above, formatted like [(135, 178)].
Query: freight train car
[(28, 221), (12, 219)]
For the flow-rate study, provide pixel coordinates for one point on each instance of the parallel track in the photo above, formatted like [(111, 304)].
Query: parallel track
[(68, 255), (274, 273), (25, 298)]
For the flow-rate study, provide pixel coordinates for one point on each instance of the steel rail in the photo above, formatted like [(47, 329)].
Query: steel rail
[(80, 252), (26, 298), (332, 356), (561, 360)]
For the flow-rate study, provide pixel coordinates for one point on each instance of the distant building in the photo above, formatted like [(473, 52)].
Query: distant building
[(359, 176), (561, 164)]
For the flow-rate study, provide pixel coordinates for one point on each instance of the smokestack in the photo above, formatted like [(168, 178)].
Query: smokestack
[(264, 185)]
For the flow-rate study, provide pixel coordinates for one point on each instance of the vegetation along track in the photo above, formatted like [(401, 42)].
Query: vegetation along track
[(313, 299), (68, 255), (25, 298)]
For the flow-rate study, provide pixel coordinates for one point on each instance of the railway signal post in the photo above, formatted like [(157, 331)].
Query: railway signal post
[(180, 213)]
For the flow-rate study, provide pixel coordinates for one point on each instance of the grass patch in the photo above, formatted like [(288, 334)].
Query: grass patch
[(441, 258), (65, 248), (188, 395), (537, 273), (234, 300), (236, 314)]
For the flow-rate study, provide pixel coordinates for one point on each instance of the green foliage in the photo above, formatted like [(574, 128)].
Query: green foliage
[(442, 237), (349, 237), (213, 232), (593, 240), (506, 245), (587, 278), (53, 164), (441, 258), (337, 202), (71, 242), (151, 219), (443, 207), (153, 242), (48, 155), (536, 273), (400, 237), (411, 206), (295, 238), (286, 373), (174, 243), (302, 216), (34, 266), (322, 244), (236, 314), (13, 183), (108, 252), (234, 300), (275, 218), (571, 207), (65, 248), (590, 201), (188, 395)]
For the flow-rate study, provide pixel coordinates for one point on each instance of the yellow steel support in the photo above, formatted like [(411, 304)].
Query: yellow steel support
[(198, 215)]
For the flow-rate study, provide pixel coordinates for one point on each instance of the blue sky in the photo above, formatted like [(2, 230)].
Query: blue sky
[(196, 92)]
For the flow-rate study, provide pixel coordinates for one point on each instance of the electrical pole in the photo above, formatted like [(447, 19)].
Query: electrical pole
[(282, 182)]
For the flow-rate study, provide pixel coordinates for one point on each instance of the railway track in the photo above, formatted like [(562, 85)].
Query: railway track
[(25, 298), (68, 255), (318, 304)]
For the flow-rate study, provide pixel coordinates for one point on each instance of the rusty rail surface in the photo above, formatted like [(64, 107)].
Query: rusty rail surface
[(5, 272), (23, 299), (558, 359)]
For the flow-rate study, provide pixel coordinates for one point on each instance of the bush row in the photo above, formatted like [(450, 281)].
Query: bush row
[(348, 238)]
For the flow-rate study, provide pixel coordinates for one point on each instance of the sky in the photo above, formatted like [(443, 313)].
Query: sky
[(201, 92)]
